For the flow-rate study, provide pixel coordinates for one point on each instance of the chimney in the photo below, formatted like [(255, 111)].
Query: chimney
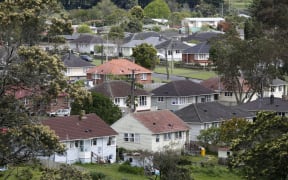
[(82, 115), (272, 99)]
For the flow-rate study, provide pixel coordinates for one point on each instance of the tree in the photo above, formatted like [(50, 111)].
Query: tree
[(100, 105), (137, 12), (261, 152), (157, 9), (245, 67), (31, 69), (210, 136), (145, 55), (167, 163), (84, 28)]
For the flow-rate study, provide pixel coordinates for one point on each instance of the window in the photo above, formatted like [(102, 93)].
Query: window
[(68, 71), (25, 101), (174, 101), (178, 135), (157, 137), (85, 69), (160, 99), (66, 99), (169, 52), (177, 51), (272, 89), (94, 142), (144, 76), (228, 94), (132, 137), (117, 101), (81, 146), (280, 88), (96, 76), (111, 141), (208, 98), (180, 100), (71, 145), (76, 144), (142, 101), (167, 136)]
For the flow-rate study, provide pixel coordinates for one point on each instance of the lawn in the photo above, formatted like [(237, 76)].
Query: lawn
[(190, 73)]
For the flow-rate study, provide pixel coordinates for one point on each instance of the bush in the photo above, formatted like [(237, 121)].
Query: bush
[(97, 176), (126, 168)]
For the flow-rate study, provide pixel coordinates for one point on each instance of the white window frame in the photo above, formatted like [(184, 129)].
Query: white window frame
[(96, 76), (178, 135), (143, 76), (111, 141), (117, 101), (167, 136), (160, 99), (132, 137), (228, 94), (143, 101), (94, 142), (157, 138)]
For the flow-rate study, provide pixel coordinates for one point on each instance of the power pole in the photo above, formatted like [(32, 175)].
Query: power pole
[(132, 103), (167, 64)]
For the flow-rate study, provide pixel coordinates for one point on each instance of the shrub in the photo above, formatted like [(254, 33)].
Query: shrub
[(126, 168), (97, 176)]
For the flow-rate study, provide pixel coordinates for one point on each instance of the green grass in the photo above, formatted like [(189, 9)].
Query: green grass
[(239, 4), (111, 172), (13, 173), (190, 73)]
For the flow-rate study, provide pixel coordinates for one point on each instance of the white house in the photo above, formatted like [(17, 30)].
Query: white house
[(211, 114), (87, 138), (194, 24), (152, 131), (120, 91)]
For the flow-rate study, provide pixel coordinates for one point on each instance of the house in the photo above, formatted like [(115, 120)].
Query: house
[(76, 67), (120, 91), (179, 94), (198, 54), (87, 138), (199, 37), (151, 131), (277, 88), (277, 105), (34, 106), (130, 42), (173, 49), (87, 43), (211, 114), (192, 25), (119, 68)]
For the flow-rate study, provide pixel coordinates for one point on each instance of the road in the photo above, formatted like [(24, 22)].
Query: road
[(173, 77)]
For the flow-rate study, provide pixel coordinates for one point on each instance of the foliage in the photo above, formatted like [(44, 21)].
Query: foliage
[(97, 175), (215, 3), (245, 65), (157, 9), (65, 172), (261, 152), (137, 12), (127, 168), (18, 144), (210, 135), (176, 17), (133, 25), (167, 163), (206, 10), (145, 55), (84, 28), (100, 105), (116, 32)]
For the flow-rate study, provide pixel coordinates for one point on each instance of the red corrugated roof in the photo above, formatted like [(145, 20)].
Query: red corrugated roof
[(161, 121), (118, 67), (73, 127)]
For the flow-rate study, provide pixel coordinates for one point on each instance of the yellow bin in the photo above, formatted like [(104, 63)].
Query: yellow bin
[(203, 151)]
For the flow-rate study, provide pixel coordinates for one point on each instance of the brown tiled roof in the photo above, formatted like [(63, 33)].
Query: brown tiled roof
[(117, 89), (118, 67), (71, 127), (161, 121)]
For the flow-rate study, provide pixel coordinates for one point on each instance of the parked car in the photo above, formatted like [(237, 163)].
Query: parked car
[(86, 58), (60, 112)]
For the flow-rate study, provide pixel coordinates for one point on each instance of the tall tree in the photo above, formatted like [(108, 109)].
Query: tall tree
[(100, 105), (31, 69), (261, 152), (145, 55), (157, 9)]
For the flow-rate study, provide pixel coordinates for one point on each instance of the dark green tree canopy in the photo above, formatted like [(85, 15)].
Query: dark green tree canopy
[(100, 105), (261, 152), (145, 55)]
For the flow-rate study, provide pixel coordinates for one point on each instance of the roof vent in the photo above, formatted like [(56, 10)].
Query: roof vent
[(154, 123)]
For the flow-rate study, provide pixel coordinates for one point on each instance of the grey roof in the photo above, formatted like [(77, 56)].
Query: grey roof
[(71, 60), (201, 48), (172, 44), (117, 89), (150, 40), (181, 88), (210, 112), (201, 36), (277, 82), (143, 36), (71, 37), (266, 104), (88, 39)]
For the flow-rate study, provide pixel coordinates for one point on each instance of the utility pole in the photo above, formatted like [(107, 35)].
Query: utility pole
[(167, 64), (107, 49), (132, 103)]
